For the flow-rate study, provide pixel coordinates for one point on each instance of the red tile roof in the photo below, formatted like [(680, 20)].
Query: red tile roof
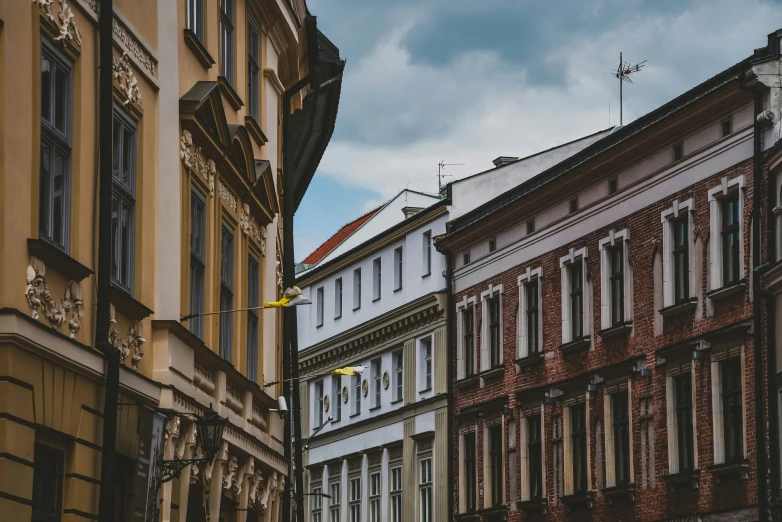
[(334, 241)]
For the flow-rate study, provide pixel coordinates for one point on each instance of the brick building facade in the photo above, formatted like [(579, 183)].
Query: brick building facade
[(603, 335)]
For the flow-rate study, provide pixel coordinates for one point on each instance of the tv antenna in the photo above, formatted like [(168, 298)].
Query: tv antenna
[(440, 175), (622, 73)]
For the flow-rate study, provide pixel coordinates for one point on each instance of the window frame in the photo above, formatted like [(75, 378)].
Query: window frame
[(338, 298), (227, 41), (678, 212), (395, 492), (377, 279), (253, 70), (124, 193), (316, 503), (320, 304), (226, 291), (530, 282), (195, 18), (398, 268), (356, 288), (397, 357), (616, 241), (56, 458), (357, 398), (579, 447), (197, 265), (377, 386), (426, 358), (470, 463), (318, 394), (468, 322), (535, 465), (375, 491), (427, 249), (253, 301), (335, 490), (354, 501), (425, 489), (486, 361), (496, 465), (685, 435), (336, 388), (728, 190), (620, 424), (575, 258), (736, 452)]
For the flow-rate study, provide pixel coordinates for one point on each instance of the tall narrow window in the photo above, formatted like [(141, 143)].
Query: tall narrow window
[(495, 464), (733, 422), (376, 382), (466, 257), (55, 168), (576, 274), (470, 482), (684, 431), (396, 494), (573, 206), (374, 497), (197, 262), (319, 304), (398, 260), (356, 289), (253, 289), (558, 453), (468, 328), (338, 298), (356, 395), (533, 318), (47, 485), (377, 278), (730, 239), (494, 331), (226, 293), (195, 18), (535, 457), (337, 392), (318, 404), (398, 375), (579, 442), (253, 69), (425, 489), (678, 151), (621, 428), (681, 259), (334, 491), (426, 363), (617, 283), (317, 504), (492, 244), (427, 252), (227, 39), (355, 499), (123, 202), (727, 127)]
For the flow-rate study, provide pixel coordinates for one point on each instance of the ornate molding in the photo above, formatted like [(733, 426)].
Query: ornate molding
[(131, 44), (279, 272), (134, 340), (250, 228), (255, 485), (232, 400), (257, 419), (193, 159), (229, 477), (126, 80), (425, 445), (64, 21), (171, 435), (39, 299), (226, 195), (203, 379), (354, 464)]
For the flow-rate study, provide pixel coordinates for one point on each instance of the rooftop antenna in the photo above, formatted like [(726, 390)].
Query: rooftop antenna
[(440, 175), (622, 73)]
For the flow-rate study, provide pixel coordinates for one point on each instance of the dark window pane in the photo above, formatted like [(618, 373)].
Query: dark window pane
[(47, 485), (115, 231), (730, 240), (469, 344), (621, 438), (681, 260), (532, 317), (495, 454), (494, 331), (577, 299), (61, 101), (534, 449), (732, 410), (127, 159), (578, 434), (46, 189), (117, 148), (470, 486), (683, 396), (46, 88)]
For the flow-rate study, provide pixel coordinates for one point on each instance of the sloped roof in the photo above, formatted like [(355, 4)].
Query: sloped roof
[(342, 234)]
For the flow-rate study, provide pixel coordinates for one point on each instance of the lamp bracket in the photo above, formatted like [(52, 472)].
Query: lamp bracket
[(171, 469)]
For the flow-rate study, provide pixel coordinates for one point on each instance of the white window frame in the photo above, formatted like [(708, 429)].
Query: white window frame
[(336, 387), (395, 491), (399, 374), (320, 303), (335, 490), (377, 388), (377, 279), (609, 390), (354, 500), (606, 305), (487, 474), (426, 368), (399, 259), (375, 492), (523, 348), (717, 358), (524, 453), (671, 373), (427, 257), (565, 262), (667, 217), (461, 365), (467, 430), (317, 397), (316, 503), (338, 298), (485, 338), (568, 486), (725, 188), (425, 488), (356, 289)]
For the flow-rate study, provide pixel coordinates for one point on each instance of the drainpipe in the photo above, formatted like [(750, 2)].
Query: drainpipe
[(449, 313), (771, 335), (110, 352)]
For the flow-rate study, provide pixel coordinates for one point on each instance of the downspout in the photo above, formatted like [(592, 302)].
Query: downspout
[(771, 343)]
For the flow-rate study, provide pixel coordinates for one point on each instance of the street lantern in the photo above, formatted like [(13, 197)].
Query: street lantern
[(210, 431)]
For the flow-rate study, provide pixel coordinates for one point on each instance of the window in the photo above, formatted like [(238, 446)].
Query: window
[(730, 239), (197, 262), (427, 252), (47, 484), (466, 257), (337, 392), (123, 202), (377, 279), (678, 151), (573, 206), (398, 375), (334, 491), (195, 17), (319, 404), (681, 259), (356, 394), (426, 363), (468, 340), (530, 226), (338, 298), (617, 283), (494, 331), (558, 453), (55, 168), (492, 244), (576, 323), (579, 447), (531, 303), (356, 289), (317, 504), (495, 464), (319, 304), (398, 269), (227, 39), (534, 457), (425, 489), (355, 499), (612, 186), (253, 287), (376, 382), (616, 287), (226, 293), (374, 497), (253, 69), (396, 494), (726, 249), (684, 429), (621, 427), (470, 482), (733, 422), (646, 429), (576, 275), (675, 253), (727, 127)]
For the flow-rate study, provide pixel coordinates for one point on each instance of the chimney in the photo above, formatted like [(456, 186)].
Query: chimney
[(504, 160), (411, 211)]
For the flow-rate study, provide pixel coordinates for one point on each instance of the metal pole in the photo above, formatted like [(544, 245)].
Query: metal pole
[(111, 353), (621, 79)]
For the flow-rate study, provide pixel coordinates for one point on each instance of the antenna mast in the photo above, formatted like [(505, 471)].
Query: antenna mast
[(622, 73), (440, 175)]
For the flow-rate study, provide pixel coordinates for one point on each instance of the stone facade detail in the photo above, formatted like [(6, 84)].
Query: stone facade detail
[(193, 159), (64, 21), (134, 340), (250, 228), (69, 310), (226, 195), (126, 80)]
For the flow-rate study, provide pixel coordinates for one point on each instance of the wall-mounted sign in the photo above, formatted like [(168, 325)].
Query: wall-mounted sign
[(145, 500)]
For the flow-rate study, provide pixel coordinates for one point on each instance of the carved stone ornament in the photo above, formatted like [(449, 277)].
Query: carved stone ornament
[(326, 403), (255, 486), (345, 394), (250, 228), (226, 195), (126, 79), (70, 309), (386, 380), (279, 270), (64, 20), (194, 160), (231, 466), (134, 340), (270, 485), (364, 388), (203, 379)]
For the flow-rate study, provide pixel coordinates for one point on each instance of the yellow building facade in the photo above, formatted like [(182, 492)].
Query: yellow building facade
[(196, 228)]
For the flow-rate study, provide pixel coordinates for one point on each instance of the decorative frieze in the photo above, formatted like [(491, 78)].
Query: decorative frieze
[(70, 309), (425, 445), (131, 44), (203, 379), (194, 160), (354, 464), (126, 80), (226, 195), (134, 340), (250, 228), (64, 20)]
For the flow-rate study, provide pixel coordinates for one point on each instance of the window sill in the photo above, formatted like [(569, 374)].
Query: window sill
[(619, 330), (57, 260), (426, 275), (126, 304), (397, 289), (357, 309), (680, 308), (727, 291), (319, 326), (576, 346), (397, 401), (354, 415), (585, 498), (530, 360), (425, 390), (493, 373), (625, 491), (738, 469), (373, 408), (255, 130), (683, 479), (494, 513), (467, 382), (230, 93), (535, 505), (376, 299), (466, 517), (200, 52)]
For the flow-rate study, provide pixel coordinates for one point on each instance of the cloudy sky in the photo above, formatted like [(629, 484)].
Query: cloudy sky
[(466, 81)]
